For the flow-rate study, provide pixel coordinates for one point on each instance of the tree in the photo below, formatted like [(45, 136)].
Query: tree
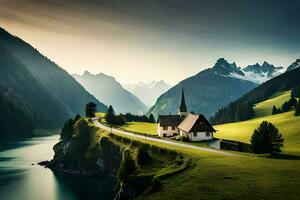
[(275, 110), (151, 118), (67, 130), (111, 118), (297, 110), (296, 91), (90, 109), (266, 139)]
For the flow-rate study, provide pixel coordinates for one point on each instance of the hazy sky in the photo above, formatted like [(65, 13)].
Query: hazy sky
[(142, 40)]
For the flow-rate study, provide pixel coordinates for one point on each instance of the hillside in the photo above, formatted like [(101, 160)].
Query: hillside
[(287, 124), (148, 92), (265, 108), (26, 96), (205, 92), (283, 82), (54, 79), (109, 91)]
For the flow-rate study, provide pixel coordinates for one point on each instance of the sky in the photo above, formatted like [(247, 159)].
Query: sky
[(145, 40)]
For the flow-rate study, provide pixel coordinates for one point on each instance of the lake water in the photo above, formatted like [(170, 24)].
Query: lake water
[(19, 179)]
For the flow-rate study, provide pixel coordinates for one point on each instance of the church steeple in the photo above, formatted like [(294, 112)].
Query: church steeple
[(182, 107)]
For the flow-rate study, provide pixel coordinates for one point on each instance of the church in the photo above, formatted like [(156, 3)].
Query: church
[(194, 127)]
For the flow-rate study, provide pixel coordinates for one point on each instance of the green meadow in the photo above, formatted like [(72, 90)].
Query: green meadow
[(265, 108), (141, 127), (287, 123)]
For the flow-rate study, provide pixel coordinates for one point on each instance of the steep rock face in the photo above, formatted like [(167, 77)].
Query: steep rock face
[(102, 162)]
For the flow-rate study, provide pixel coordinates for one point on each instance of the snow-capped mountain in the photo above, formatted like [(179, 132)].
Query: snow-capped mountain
[(295, 65), (148, 92), (255, 73)]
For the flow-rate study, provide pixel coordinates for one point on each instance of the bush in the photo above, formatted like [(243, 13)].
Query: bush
[(266, 139)]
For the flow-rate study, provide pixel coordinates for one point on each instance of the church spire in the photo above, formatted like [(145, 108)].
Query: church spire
[(182, 108)]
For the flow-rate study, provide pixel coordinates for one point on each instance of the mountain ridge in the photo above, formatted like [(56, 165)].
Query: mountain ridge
[(108, 90)]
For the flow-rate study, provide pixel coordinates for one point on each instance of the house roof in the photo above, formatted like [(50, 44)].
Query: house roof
[(195, 123), (169, 120)]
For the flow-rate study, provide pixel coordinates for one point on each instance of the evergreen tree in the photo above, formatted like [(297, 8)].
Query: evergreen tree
[(297, 110), (266, 139), (274, 111), (90, 109), (151, 118), (296, 91)]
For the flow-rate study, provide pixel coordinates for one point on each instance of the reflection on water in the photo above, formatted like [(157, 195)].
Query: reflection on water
[(19, 179)]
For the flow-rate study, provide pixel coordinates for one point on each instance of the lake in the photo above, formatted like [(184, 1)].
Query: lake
[(19, 179)]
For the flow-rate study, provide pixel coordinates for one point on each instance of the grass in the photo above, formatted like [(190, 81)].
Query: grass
[(287, 124), (141, 127), (215, 176), (265, 108), (246, 177)]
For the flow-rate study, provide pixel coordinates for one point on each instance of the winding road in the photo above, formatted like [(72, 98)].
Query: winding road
[(124, 132)]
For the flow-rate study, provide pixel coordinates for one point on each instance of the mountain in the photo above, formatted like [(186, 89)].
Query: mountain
[(21, 92), (262, 73), (255, 73), (205, 92), (242, 109), (294, 65), (50, 75), (109, 91), (37, 86), (148, 92)]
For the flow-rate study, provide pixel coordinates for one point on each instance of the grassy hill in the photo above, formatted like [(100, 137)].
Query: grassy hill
[(213, 176), (265, 108), (287, 124)]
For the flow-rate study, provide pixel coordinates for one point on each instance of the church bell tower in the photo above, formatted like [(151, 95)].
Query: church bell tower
[(182, 108)]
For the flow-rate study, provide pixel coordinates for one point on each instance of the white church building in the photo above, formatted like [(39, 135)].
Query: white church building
[(194, 127)]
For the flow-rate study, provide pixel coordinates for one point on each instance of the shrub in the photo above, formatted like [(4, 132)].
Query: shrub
[(266, 139)]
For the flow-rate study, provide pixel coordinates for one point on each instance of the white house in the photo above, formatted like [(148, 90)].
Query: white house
[(167, 125), (196, 128)]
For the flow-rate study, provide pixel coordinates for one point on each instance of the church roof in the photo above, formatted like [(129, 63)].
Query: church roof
[(195, 123), (169, 120)]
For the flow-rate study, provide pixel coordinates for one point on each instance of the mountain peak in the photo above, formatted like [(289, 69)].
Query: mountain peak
[(86, 73), (294, 65), (222, 67)]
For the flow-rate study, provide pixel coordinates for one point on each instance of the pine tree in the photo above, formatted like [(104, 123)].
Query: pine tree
[(151, 118), (274, 111), (90, 109), (266, 139)]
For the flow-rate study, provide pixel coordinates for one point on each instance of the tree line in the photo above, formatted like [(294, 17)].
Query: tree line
[(121, 119)]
